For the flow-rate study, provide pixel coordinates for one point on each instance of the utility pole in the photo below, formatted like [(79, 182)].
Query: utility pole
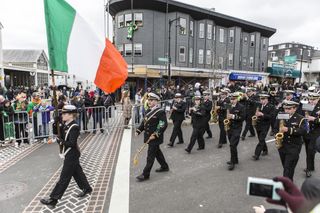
[(301, 58), (169, 48)]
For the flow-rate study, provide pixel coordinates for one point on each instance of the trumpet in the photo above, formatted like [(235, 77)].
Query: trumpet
[(255, 118), (279, 136), (226, 122)]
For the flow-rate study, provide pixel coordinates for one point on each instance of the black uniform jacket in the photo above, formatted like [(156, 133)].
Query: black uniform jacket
[(178, 114), (71, 140), (239, 115), (296, 129), (268, 113), (251, 105), (207, 105), (198, 119), (154, 122), (222, 112), (315, 125)]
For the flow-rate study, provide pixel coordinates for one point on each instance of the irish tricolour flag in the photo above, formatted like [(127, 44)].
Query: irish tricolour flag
[(74, 47)]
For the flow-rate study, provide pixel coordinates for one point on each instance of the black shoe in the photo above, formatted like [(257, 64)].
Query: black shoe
[(102, 131), (255, 158), (243, 138), (264, 153), (187, 150), (170, 145), (94, 132), (219, 146), (141, 178), (231, 167), (180, 142), (229, 163), (162, 169), (49, 202), (251, 136), (208, 137), (84, 192), (308, 173)]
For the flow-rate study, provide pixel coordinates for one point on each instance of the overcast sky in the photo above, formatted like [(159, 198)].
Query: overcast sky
[(295, 20)]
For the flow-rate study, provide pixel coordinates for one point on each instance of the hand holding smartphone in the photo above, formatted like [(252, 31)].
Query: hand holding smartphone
[(263, 187)]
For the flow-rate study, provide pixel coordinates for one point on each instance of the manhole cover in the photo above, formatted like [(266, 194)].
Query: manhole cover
[(10, 190)]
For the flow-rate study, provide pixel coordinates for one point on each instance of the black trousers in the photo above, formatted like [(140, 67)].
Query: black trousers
[(97, 118), (70, 169), (289, 162), (223, 135), (248, 127), (261, 146), (197, 135), (176, 131), (21, 132), (310, 151), (208, 130), (234, 138), (154, 152)]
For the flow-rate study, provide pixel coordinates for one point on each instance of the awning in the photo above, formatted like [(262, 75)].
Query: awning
[(235, 76), (283, 72)]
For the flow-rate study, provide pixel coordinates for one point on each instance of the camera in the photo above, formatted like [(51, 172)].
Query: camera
[(263, 187)]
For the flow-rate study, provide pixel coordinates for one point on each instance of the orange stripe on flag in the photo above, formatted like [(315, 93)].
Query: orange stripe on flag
[(112, 71)]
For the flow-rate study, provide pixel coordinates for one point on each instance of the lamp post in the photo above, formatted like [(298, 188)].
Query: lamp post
[(301, 65), (169, 48)]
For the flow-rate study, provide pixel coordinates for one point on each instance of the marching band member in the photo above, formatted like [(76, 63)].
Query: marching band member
[(310, 139), (198, 124), (264, 117), (222, 114), (177, 116), (236, 118), (207, 104), (251, 101), (153, 125)]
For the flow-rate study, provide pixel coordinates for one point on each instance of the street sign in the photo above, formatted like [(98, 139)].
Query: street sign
[(163, 59), (290, 59)]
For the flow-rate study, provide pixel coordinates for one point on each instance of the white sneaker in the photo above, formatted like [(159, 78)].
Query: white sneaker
[(16, 144)]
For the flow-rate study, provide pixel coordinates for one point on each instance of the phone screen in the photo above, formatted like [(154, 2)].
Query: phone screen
[(261, 190)]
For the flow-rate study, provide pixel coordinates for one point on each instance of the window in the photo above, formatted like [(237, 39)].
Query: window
[(128, 19), (244, 61), (191, 28), (264, 43), (282, 46), (252, 37), (245, 40), (287, 53), (182, 54), (120, 49), (120, 21), (251, 61), (200, 56), (231, 36), (270, 48), (301, 51), (183, 26), (296, 45), (220, 66), (138, 19), (290, 45), (230, 61), (208, 57), (128, 49), (309, 53), (190, 55), (138, 49), (214, 32), (201, 30), (221, 35), (209, 31), (262, 66), (273, 54)]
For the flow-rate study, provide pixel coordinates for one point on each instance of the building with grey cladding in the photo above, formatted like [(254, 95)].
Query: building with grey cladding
[(204, 43)]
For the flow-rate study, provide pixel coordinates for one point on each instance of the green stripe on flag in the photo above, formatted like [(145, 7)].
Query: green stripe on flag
[(59, 21)]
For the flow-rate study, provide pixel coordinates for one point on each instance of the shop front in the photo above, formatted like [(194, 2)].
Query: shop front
[(279, 74)]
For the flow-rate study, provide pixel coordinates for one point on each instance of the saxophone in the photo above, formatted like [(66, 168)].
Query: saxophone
[(226, 122), (255, 118), (279, 136), (214, 114)]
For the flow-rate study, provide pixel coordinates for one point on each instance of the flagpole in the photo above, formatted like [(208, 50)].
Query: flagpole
[(56, 111)]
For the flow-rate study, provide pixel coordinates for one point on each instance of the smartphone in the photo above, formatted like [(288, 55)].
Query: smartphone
[(263, 188)]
